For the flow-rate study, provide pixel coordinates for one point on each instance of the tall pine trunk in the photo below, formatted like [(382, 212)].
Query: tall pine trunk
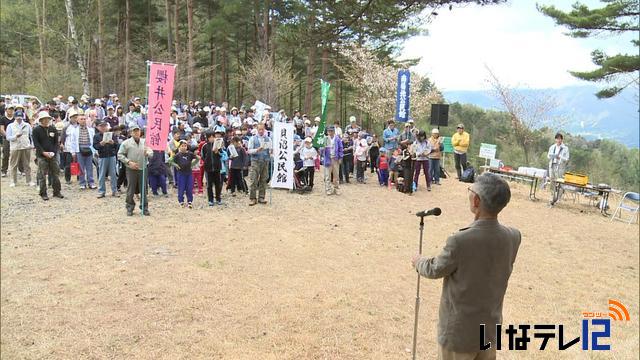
[(190, 60), (41, 43), (176, 41), (100, 54), (76, 46), (127, 24), (311, 63), (150, 31), (212, 64), (223, 73), (167, 8)]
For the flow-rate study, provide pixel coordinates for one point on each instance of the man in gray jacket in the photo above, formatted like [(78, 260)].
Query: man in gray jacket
[(476, 264), (133, 153)]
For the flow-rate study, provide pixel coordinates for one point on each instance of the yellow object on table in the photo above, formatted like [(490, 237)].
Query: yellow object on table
[(575, 178)]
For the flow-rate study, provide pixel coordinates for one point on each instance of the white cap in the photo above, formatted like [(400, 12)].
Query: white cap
[(307, 121), (43, 114), (352, 119), (223, 109), (70, 98), (206, 109), (174, 102), (268, 107), (435, 131), (317, 119)]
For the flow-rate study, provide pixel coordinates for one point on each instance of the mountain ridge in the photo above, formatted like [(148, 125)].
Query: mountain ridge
[(616, 118)]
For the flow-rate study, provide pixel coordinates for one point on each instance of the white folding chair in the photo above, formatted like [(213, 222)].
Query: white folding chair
[(633, 205)]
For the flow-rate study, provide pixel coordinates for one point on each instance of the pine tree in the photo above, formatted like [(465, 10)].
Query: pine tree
[(615, 17)]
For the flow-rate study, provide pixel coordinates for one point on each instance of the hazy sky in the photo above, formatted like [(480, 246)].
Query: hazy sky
[(521, 45)]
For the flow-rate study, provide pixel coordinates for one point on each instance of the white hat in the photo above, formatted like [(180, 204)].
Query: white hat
[(234, 108), (197, 125), (317, 119), (73, 112), (84, 97), (410, 121), (98, 102), (363, 142), (43, 115), (352, 119), (70, 98), (435, 131), (174, 102), (223, 109), (307, 121), (206, 109), (113, 95), (217, 108), (308, 139), (268, 107), (253, 108)]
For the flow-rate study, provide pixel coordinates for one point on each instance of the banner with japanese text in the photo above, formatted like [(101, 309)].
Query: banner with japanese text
[(318, 139), (282, 155), (402, 97), (161, 81)]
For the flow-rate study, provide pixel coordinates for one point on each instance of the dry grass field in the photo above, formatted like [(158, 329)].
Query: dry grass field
[(307, 277)]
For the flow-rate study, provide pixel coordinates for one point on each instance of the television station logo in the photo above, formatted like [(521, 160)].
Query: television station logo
[(595, 329)]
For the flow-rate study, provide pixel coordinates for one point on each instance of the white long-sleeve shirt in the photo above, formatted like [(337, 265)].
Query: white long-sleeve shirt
[(308, 156), (555, 150), (19, 142)]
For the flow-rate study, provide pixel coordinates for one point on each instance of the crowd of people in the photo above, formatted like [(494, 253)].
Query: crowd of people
[(95, 139)]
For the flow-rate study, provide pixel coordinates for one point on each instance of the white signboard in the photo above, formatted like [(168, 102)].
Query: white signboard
[(282, 176), (487, 151), (260, 107)]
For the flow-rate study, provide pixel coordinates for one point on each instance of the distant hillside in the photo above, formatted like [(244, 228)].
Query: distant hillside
[(616, 118)]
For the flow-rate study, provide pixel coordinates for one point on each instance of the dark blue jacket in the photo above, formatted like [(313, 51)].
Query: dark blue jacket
[(156, 164)]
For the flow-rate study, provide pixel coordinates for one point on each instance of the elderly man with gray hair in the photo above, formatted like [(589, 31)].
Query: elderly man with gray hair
[(476, 264)]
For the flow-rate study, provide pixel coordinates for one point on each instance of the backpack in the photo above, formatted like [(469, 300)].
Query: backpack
[(443, 173), (468, 175)]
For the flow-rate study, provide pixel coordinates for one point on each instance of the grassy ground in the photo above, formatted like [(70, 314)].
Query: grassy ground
[(308, 277)]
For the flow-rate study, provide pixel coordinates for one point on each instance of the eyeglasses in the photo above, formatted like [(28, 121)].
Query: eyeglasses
[(470, 190)]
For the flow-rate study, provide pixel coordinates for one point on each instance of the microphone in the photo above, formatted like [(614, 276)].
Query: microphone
[(435, 212)]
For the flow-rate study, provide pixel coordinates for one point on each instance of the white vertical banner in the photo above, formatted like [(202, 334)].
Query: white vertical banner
[(282, 176)]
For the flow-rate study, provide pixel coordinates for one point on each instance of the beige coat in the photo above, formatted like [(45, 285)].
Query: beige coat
[(476, 264)]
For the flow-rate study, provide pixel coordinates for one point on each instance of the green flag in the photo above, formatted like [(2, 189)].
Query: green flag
[(318, 139)]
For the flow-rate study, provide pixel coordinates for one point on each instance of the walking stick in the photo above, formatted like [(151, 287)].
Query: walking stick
[(421, 214), (415, 323)]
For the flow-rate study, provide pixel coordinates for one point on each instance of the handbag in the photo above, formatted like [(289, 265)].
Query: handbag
[(75, 169), (86, 151)]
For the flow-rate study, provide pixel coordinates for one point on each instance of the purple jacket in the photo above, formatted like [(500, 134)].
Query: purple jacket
[(337, 144)]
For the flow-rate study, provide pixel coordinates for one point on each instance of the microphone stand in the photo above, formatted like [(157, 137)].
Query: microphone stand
[(415, 324)]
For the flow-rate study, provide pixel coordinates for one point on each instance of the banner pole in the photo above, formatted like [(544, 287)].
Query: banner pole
[(143, 196)]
